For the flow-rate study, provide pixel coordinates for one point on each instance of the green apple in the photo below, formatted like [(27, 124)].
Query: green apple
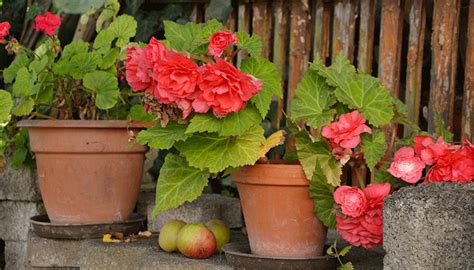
[(220, 231), (169, 234)]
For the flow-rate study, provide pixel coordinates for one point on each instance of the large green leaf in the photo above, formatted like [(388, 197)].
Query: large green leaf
[(6, 105), (111, 8), (110, 58), (105, 85), (373, 146), (104, 39), (9, 73), (215, 153), (75, 48), (358, 91), (25, 107), (24, 83), (252, 45), (312, 154), (234, 124), (178, 183), (124, 27), (313, 100), (83, 63), (137, 113), (322, 194), (38, 65), (266, 71), (20, 152), (162, 137), (190, 37)]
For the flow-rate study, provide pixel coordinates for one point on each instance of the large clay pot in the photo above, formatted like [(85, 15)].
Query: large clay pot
[(278, 211), (88, 171)]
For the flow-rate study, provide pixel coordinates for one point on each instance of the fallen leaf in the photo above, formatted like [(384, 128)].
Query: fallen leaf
[(107, 238), (145, 234), (117, 235), (130, 239), (275, 139)]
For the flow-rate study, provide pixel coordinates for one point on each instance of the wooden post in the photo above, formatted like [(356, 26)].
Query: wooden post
[(366, 35), (344, 28), (468, 100), (280, 56), (321, 30), (262, 24)]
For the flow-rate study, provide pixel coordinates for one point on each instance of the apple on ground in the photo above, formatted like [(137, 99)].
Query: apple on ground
[(169, 234), (196, 241), (221, 232)]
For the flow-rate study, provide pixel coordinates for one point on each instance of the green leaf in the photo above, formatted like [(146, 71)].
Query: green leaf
[(24, 83), (104, 39), (75, 48), (9, 73), (79, 65), (21, 148), (344, 251), (77, 6), (137, 113), (111, 8), (105, 85), (253, 45), (109, 58), (234, 124), (347, 266), (178, 183), (25, 107), (162, 137), (373, 146), (123, 27), (313, 100), (313, 154), (190, 37), (359, 91), (6, 105), (266, 71), (400, 115), (322, 194), (440, 127), (215, 153), (38, 65)]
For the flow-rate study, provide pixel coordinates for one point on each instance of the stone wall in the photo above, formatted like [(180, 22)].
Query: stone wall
[(19, 200)]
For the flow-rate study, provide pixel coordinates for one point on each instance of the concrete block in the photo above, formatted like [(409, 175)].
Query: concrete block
[(201, 210), (44, 252), (14, 218), (19, 185), (430, 226), (15, 255)]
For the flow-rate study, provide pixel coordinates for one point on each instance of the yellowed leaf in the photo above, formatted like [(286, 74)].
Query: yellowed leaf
[(145, 234), (275, 139), (107, 238)]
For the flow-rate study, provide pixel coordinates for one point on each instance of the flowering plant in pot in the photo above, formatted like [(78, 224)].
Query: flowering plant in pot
[(73, 87), (207, 110)]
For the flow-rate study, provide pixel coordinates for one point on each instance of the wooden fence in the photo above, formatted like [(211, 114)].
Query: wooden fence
[(422, 50)]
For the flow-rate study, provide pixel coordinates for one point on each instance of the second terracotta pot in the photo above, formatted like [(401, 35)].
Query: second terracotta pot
[(88, 172), (279, 212)]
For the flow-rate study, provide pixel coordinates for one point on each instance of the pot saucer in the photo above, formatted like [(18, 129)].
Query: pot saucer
[(238, 256), (44, 228)]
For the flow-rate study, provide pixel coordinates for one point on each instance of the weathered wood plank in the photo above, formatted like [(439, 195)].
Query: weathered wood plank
[(262, 24), (322, 23), (197, 13), (366, 35), (280, 56), (444, 45), (344, 28), (416, 39), (231, 22), (390, 48), (468, 99), (243, 25)]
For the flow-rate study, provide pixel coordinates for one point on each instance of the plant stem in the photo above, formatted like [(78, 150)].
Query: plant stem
[(42, 116)]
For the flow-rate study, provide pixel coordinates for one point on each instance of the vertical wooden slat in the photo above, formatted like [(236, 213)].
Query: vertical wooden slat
[(366, 35), (280, 48), (344, 28), (298, 44), (262, 24), (243, 25), (231, 22), (390, 45), (416, 39), (444, 45), (321, 30), (197, 13), (468, 100)]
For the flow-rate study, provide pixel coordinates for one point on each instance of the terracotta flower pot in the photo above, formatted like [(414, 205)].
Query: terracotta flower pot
[(278, 211), (88, 171)]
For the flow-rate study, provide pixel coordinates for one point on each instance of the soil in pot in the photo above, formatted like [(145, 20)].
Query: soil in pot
[(278, 211), (88, 171)]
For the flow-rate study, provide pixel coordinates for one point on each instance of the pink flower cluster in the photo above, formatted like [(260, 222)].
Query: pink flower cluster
[(360, 219), (48, 23), (453, 163), (4, 31), (177, 80)]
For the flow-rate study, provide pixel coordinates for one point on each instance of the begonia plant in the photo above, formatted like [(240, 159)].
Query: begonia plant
[(79, 81), (207, 110)]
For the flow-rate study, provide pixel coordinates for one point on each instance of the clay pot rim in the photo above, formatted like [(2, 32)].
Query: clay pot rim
[(105, 124), (280, 174)]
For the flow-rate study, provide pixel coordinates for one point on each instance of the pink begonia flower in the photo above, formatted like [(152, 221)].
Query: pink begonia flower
[(406, 165), (220, 41), (457, 166), (346, 131), (48, 23), (136, 69), (224, 89), (352, 200), (428, 150), (4, 31)]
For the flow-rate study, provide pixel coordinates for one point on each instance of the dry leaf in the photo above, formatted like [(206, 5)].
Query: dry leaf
[(275, 139), (117, 235), (145, 234), (130, 239), (107, 238)]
